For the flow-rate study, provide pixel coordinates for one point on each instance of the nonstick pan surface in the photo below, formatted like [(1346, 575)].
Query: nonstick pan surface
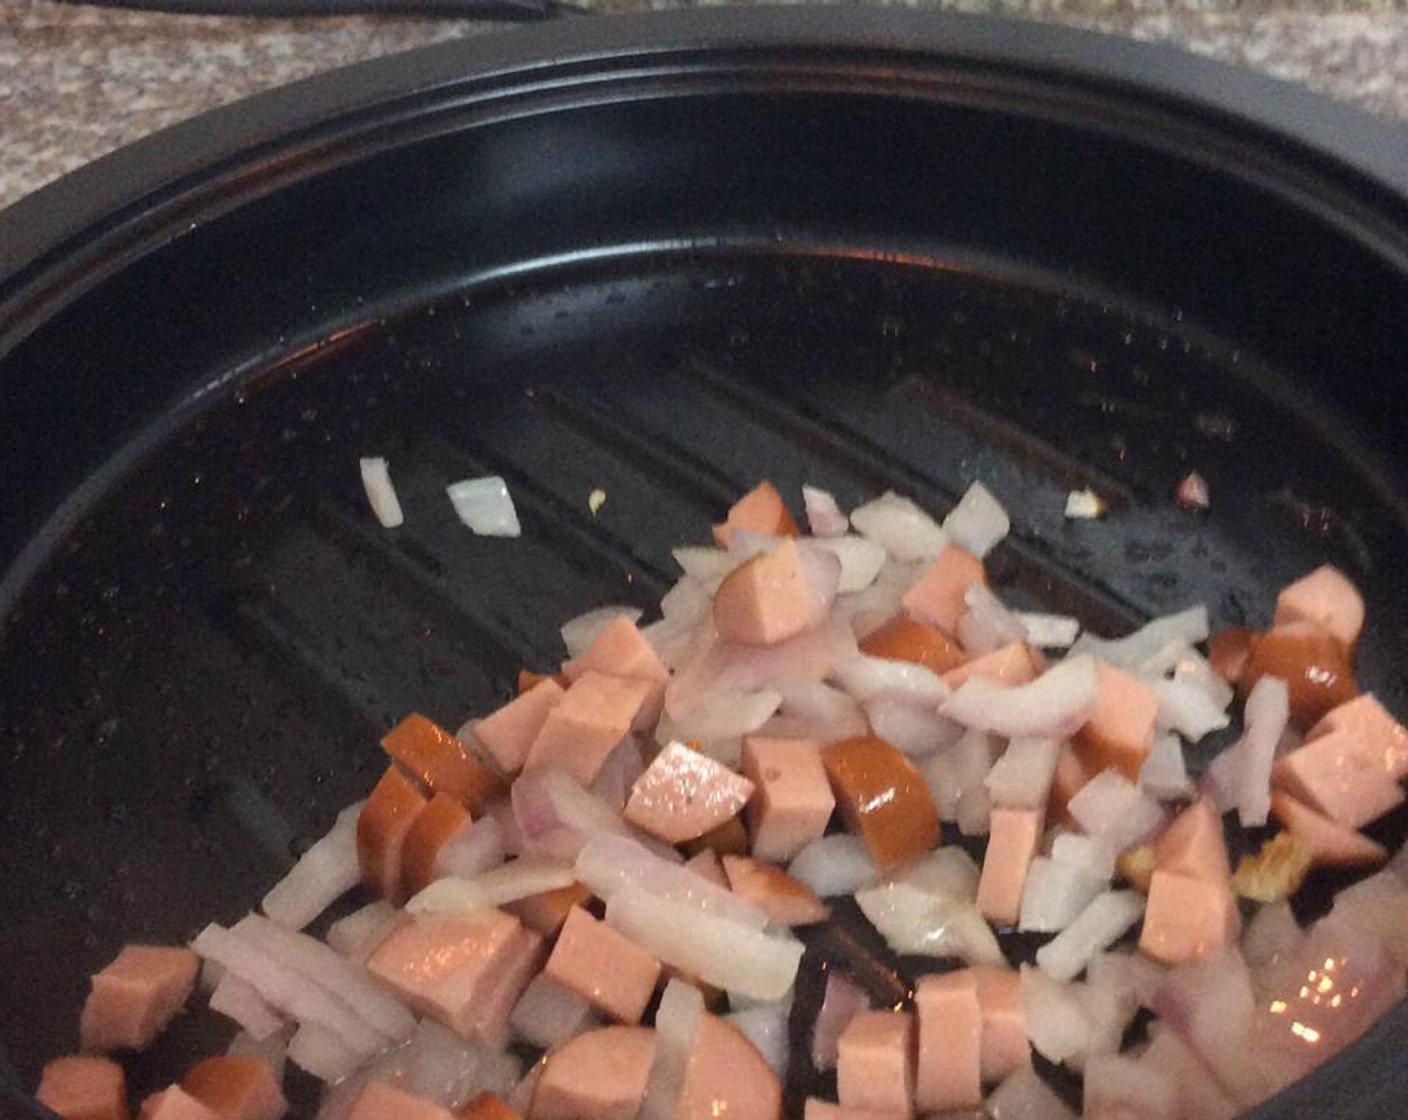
[(661, 258)]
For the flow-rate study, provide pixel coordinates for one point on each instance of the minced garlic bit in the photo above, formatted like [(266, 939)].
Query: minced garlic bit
[(1085, 505), (1137, 866), (595, 500), (1277, 871)]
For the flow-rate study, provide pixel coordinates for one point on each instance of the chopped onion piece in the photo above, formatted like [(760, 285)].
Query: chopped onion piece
[(948, 871), (237, 999), (899, 526), (676, 1022), (1113, 808), (957, 774), (272, 1050), (474, 850), (718, 951), (1090, 853), (912, 729), (1025, 1096), (834, 865), (1187, 626), (1021, 777), (557, 816), (915, 921), (824, 517), (813, 710), (515, 880), (1085, 505), (861, 560), (1053, 706), (1057, 1023), (1265, 715), (381, 494), (707, 565), (356, 935), (726, 715), (547, 1013), (987, 625), (322, 1052), (1165, 773), (484, 504), (1194, 669), (1049, 631), (843, 1000), (1055, 894), (580, 632), (608, 865), (867, 678), (1108, 917), (322, 875), (765, 1026), (687, 603), (978, 521), (1187, 709)]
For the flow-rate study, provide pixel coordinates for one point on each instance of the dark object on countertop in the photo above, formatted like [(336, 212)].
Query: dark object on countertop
[(660, 257)]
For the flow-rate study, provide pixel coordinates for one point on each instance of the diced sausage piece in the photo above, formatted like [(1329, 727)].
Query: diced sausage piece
[(1313, 664), (380, 1101), (1118, 736), (490, 1023), (442, 818), (793, 800), (684, 793), (1014, 836), (440, 762), (948, 1070), (875, 1060), (80, 1088), (621, 651), (1187, 917), (599, 1075), (174, 1103), (1194, 844), (236, 1088), (508, 732), (1004, 1046), (908, 639), (392, 808), (135, 996), (761, 510), (937, 597), (765, 600), (1013, 664), (706, 865), (544, 913), (1366, 720), (604, 967), (818, 1109), (1338, 777), (448, 968), (883, 798), (1229, 651), (1332, 844), (1069, 779), (1327, 598), (784, 899), (585, 726), (487, 1106), (725, 1075)]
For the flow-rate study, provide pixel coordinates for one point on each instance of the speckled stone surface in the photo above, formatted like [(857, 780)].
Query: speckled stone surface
[(77, 82)]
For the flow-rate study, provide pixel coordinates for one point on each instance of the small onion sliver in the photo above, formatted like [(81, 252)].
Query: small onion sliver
[(485, 506), (381, 493), (1065, 956), (899, 526), (834, 865), (580, 631), (842, 1001), (515, 880), (1265, 714), (1053, 706), (237, 999), (824, 517), (978, 521), (322, 875)]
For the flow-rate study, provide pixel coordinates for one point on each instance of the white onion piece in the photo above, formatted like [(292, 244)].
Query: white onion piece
[(1107, 918), (1119, 1085), (987, 625), (272, 1050), (765, 1026), (1054, 895), (472, 851), (834, 865), (1134, 977), (687, 602), (209, 977), (915, 921), (1273, 931), (515, 880), (322, 875), (287, 991), (1194, 669), (867, 678), (978, 521), (718, 951), (821, 712), (618, 773), (861, 560), (823, 570), (1113, 808), (1164, 660), (361, 931), (1057, 1024), (1021, 777), (1378, 904), (1089, 853), (842, 1001), (957, 773), (1187, 709), (485, 506), (325, 966), (1053, 706), (1164, 774), (608, 865), (744, 544), (1265, 715), (900, 527), (556, 816), (868, 610), (448, 1069), (547, 1013), (913, 730), (948, 871), (1186, 626), (725, 715), (824, 517), (676, 1023), (707, 565), (237, 999), (675, 640), (381, 494), (1049, 631), (580, 632), (322, 1052), (1025, 1096)]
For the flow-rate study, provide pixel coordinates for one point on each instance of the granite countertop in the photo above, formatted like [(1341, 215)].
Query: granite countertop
[(76, 81)]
